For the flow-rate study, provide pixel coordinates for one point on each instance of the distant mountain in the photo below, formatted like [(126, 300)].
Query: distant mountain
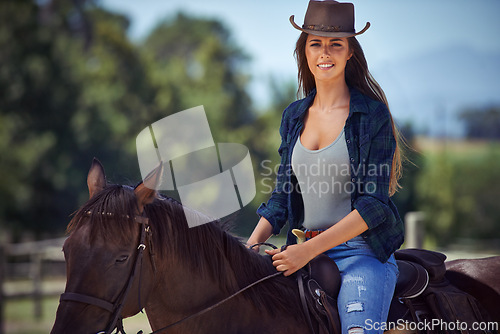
[(429, 90)]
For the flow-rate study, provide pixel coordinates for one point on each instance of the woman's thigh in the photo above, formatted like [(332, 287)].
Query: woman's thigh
[(367, 287)]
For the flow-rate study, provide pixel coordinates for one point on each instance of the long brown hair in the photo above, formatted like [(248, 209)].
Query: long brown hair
[(357, 76)]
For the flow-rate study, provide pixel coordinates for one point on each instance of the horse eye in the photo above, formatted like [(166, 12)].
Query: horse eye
[(122, 259)]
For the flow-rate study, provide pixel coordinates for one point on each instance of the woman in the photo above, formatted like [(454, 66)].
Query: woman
[(340, 165)]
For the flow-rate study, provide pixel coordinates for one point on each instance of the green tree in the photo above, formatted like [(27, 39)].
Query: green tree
[(195, 62), (116, 96), (72, 87), (37, 93), (458, 191), (263, 139)]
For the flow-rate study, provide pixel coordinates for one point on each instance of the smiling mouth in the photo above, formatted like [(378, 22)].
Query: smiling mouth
[(325, 66)]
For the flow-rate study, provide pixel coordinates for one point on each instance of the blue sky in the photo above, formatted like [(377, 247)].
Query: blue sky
[(401, 29)]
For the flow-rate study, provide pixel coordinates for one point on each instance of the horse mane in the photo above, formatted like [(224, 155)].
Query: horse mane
[(115, 203), (209, 250)]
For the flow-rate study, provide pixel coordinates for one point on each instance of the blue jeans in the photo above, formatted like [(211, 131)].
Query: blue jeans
[(367, 285)]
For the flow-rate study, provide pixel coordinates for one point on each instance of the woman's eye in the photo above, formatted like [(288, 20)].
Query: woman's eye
[(122, 259), (315, 44)]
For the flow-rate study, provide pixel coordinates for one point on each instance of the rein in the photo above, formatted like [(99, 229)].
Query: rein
[(116, 308)]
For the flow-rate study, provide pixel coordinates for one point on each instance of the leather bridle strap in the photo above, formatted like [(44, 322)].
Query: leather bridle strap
[(121, 301), (305, 309), (76, 297)]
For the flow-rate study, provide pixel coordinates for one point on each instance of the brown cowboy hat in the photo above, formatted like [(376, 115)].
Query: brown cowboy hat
[(329, 18)]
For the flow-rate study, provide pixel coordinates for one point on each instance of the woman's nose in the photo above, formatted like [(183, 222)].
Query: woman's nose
[(325, 51)]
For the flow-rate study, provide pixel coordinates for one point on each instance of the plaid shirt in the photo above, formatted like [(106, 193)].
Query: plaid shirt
[(371, 145)]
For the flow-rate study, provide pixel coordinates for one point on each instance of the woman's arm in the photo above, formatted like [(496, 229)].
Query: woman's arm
[(261, 233), (297, 256), (349, 227)]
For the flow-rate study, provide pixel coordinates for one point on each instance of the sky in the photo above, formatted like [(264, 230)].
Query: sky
[(400, 29)]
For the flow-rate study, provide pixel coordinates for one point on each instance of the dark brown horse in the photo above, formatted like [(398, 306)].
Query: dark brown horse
[(480, 278), (130, 248), (191, 269)]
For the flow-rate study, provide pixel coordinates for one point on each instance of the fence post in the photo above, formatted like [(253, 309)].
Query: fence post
[(2, 297), (414, 229), (36, 275)]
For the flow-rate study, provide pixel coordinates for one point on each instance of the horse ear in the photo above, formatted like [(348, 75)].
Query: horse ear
[(96, 179), (145, 192)]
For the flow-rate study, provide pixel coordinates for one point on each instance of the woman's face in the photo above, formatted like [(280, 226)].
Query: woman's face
[(327, 57)]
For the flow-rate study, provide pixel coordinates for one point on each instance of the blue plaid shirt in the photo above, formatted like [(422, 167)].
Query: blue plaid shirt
[(371, 145)]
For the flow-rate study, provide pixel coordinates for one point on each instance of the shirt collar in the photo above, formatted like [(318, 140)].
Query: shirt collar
[(304, 104), (357, 103)]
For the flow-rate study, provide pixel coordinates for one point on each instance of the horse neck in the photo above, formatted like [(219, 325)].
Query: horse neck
[(187, 288), (202, 266), (193, 272), (184, 293), (194, 260)]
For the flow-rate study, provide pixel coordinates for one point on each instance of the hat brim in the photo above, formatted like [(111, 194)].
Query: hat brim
[(328, 33)]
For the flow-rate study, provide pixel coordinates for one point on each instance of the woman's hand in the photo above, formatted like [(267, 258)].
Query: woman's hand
[(291, 259)]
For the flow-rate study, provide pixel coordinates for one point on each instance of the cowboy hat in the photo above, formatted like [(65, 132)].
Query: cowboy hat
[(329, 18)]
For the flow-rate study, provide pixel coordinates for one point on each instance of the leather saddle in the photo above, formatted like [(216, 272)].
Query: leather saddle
[(319, 284), (422, 293), (416, 268)]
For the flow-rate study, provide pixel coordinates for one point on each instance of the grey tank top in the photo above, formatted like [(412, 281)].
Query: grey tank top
[(324, 179)]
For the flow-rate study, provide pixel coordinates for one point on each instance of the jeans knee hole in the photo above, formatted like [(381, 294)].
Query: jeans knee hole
[(355, 307), (356, 330)]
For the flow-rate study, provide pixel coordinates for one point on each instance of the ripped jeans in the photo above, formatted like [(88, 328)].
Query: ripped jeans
[(367, 285)]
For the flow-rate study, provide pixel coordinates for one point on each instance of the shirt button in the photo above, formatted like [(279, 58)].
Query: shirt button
[(348, 141), (352, 159), (353, 179)]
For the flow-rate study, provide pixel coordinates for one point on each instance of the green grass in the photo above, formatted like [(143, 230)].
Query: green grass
[(19, 318)]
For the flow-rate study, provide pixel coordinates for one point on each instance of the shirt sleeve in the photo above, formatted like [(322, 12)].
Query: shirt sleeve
[(376, 156), (276, 208)]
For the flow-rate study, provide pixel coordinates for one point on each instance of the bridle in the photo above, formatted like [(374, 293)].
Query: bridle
[(116, 308)]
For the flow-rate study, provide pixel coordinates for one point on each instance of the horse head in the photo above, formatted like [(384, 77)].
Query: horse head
[(108, 258)]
